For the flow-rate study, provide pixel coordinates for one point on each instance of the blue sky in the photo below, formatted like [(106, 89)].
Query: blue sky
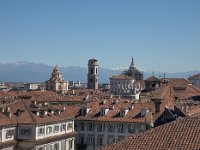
[(160, 35)]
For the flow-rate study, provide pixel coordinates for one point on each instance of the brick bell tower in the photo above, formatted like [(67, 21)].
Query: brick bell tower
[(93, 74)]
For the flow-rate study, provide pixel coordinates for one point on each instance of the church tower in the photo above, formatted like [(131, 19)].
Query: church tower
[(93, 74)]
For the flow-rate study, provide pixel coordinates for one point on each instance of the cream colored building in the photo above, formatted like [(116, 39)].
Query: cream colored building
[(56, 82), (125, 86)]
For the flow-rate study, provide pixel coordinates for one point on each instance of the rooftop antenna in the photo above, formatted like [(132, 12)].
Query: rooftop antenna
[(164, 74), (153, 73)]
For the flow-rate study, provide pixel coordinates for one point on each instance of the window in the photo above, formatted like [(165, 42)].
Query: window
[(83, 111), (69, 126), (111, 127), (82, 126), (63, 127), (49, 130), (56, 128), (100, 140), (49, 147), (90, 126), (101, 127), (137, 128), (82, 139), (25, 131), (143, 127), (91, 71), (111, 139), (102, 113), (122, 112), (90, 139), (63, 145), (70, 144), (9, 133), (96, 71), (41, 148), (56, 146), (121, 128), (131, 128), (40, 131)]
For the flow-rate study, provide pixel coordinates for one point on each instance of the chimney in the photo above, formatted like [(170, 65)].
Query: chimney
[(131, 107), (7, 109), (157, 103), (9, 114), (35, 102), (38, 113), (45, 113), (59, 111), (52, 112)]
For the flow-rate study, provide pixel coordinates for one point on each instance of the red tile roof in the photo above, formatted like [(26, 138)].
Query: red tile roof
[(181, 134), (114, 110)]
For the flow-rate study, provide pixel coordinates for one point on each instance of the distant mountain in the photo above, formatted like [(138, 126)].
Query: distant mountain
[(32, 72)]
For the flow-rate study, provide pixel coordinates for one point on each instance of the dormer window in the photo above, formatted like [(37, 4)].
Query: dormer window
[(144, 111), (103, 111), (123, 112), (84, 111)]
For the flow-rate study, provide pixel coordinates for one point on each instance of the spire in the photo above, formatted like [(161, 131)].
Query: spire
[(132, 62)]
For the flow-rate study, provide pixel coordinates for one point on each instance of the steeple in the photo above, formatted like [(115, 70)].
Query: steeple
[(132, 62)]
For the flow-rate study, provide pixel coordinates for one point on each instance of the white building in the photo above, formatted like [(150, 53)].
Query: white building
[(24, 126), (195, 80), (125, 86), (31, 86)]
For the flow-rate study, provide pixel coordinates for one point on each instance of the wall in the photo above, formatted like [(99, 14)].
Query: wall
[(105, 133), (45, 135), (4, 131)]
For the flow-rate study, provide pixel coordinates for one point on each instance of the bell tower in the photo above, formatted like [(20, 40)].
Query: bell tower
[(93, 74)]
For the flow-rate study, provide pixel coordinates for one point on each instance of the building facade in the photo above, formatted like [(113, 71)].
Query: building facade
[(105, 122), (195, 80), (93, 74), (28, 126), (56, 82), (125, 86)]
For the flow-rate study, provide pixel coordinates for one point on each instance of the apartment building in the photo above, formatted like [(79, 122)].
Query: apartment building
[(30, 125), (104, 122)]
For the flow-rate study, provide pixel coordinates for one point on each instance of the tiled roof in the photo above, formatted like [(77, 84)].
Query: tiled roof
[(114, 106), (181, 134), (23, 113), (152, 78), (121, 77)]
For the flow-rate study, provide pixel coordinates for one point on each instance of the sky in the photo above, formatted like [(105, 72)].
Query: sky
[(161, 35)]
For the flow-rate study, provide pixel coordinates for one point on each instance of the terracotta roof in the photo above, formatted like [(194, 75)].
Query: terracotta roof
[(22, 112), (152, 78), (181, 134), (114, 106), (121, 77)]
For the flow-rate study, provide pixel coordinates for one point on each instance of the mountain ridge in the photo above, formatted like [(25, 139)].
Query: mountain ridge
[(37, 72)]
